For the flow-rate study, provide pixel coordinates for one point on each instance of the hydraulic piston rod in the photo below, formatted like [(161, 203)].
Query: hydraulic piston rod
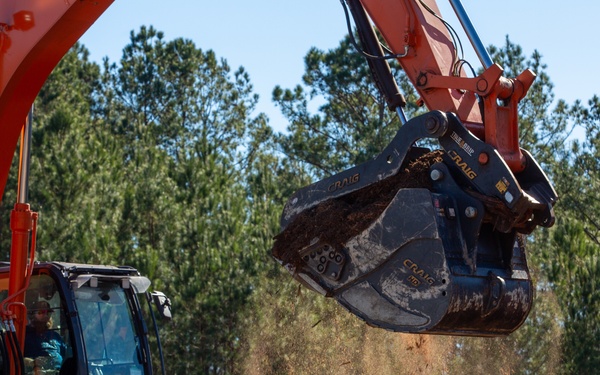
[(478, 46)]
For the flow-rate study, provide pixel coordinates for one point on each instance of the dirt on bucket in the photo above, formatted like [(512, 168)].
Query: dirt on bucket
[(337, 220)]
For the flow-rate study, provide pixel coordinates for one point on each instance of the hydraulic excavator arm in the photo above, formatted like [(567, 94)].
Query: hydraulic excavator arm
[(420, 240), (424, 241)]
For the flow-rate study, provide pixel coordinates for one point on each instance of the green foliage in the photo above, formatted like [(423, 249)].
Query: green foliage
[(190, 219), (572, 266), (565, 257), (574, 272), (75, 171), (568, 253), (157, 162), (179, 98), (353, 123)]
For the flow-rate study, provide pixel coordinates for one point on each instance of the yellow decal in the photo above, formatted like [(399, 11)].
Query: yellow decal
[(413, 280), (501, 186), (417, 271)]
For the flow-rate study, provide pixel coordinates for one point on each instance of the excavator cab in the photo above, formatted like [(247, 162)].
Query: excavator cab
[(83, 319), (426, 240)]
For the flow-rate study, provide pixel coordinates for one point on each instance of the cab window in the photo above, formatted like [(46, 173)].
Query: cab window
[(47, 343)]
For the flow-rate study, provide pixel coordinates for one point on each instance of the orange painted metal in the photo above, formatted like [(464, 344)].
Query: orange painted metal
[(21, 224), (34, 36), (409, 25), (430, 51)]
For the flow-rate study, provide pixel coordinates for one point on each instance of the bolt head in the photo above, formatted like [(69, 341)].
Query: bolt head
[(471, 212), (484, 158), (436, 174), (431, 124)]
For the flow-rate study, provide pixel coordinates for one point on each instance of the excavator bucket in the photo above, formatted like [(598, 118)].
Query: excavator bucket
[(422, 241)]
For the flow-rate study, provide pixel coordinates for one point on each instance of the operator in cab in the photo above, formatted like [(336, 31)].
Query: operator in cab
[(44, 347)]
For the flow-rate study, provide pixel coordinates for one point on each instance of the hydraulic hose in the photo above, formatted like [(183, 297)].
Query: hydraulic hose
[(379, 67)]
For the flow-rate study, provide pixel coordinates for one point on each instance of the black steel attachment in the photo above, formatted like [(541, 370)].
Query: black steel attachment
[(446, 258)]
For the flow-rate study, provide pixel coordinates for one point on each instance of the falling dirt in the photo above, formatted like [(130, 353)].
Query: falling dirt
[(337, 220)]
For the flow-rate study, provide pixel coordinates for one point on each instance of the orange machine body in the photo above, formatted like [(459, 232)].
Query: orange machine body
[(430, 61), (34, 36)]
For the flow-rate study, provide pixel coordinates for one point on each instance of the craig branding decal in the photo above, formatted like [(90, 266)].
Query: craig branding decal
[(419, 272), (462, 164), (340, 184)]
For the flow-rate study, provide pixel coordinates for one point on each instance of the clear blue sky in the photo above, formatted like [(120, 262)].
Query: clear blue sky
[(270, 37)]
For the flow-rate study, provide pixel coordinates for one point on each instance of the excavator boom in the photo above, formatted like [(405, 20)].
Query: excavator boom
[(34, 36)]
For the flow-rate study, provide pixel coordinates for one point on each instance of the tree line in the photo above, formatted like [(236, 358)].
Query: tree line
[(160, 161)]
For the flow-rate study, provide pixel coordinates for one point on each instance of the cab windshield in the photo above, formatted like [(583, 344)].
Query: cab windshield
[(111, 343)]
